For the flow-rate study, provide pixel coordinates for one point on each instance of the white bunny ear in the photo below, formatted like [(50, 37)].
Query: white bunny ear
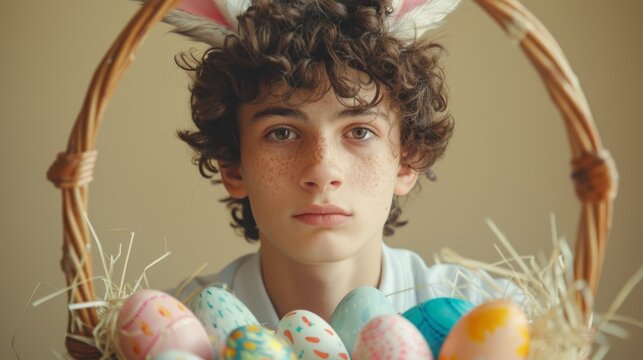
[(232, 9), (208, 21), (197, 28), (412, 18)]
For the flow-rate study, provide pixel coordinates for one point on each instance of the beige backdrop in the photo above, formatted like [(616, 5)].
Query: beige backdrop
[(508, 160)]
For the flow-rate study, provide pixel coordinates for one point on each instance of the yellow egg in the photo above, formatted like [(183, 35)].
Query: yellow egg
[(494, 330)]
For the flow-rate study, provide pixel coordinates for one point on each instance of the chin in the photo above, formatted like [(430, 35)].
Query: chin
[(322, 246), (327, 250), (325, 256)]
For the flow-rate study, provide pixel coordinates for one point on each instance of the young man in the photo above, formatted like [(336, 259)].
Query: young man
[(317, 116)]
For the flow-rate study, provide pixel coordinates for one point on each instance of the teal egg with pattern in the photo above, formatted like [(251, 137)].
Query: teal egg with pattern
[(435, 318), (220, 312), (254, 342), (356, 309)]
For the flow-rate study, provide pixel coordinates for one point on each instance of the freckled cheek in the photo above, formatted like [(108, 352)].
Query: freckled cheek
[(373, 174), (270, 173)]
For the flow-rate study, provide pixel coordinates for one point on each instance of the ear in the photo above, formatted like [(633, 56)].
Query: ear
[(406, 179), (232, 180)]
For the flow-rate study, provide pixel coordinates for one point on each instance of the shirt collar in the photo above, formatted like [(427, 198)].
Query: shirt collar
[(249, 287)]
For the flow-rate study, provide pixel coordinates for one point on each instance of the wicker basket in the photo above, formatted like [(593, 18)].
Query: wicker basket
[(593, 170)]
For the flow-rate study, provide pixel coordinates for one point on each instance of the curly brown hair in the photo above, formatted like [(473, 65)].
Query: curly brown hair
[(304, 44)]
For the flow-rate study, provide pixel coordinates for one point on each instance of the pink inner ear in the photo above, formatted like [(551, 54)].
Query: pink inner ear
[(205, 8), (409, 5)]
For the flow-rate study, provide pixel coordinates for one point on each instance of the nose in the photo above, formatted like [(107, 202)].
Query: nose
[(321, 171)]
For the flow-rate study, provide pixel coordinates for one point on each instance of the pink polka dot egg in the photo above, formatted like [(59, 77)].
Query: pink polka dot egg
[(391, 337)]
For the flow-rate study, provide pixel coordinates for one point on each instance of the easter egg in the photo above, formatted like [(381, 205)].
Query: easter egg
[(391, 337), (435, 318), (220, 312), (152, 321), (176, 355), (310, 336), (356, 309), (254, 342), (494, 330)]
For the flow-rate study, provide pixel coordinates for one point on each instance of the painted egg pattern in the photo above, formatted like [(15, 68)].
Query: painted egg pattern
[(310, 336), (176, 355), (254, 342), (152, 321), (220, 312), (435, 318), (356, 309), (497, 329), (391, 337)]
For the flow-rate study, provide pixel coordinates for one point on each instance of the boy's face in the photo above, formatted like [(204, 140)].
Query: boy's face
[(320, 176)]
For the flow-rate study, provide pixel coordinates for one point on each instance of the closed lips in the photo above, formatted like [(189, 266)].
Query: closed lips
[(322, 215), (325, 209)]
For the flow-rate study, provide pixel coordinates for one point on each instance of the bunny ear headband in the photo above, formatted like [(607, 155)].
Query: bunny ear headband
[(210, 21)]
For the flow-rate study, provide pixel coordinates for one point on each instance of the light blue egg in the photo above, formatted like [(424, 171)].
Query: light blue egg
[(435, 318), (220, 312), (176, 355), (356, 309)]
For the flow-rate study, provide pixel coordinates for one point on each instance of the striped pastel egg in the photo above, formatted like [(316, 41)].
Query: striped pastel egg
[(310, 336), (152, 321), (220, 312), (254, 342), (435, 318), (391, 337), (494, 330), (356, 309)]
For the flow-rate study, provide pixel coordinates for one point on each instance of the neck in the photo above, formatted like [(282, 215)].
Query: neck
[(292, 285)]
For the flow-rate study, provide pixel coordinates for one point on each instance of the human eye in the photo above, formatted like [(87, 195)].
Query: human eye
[(360, 133), (281, 134)]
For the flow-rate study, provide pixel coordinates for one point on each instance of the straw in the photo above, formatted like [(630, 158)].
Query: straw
[(553, 300), (104, 335)]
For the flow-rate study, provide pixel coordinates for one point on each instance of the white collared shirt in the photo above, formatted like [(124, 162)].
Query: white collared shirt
[(405, 279)]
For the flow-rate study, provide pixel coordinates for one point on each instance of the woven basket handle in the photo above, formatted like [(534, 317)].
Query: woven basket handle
[(593, 170), (594, 173), (72, 172)]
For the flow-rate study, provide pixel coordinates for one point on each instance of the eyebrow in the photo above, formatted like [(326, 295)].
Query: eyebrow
[(298, 114), (279, 111)]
